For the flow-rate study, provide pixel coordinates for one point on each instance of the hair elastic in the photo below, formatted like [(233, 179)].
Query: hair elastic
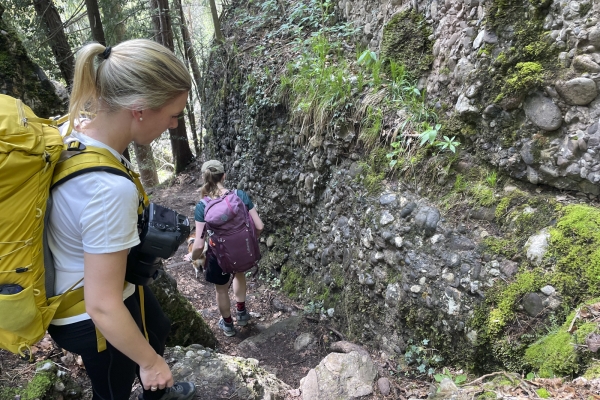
[(106, 52)]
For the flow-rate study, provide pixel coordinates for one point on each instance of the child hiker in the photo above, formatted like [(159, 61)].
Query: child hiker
[(213, 173)]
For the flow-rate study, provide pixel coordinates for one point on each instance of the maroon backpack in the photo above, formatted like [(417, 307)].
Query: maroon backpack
[(230, 232)]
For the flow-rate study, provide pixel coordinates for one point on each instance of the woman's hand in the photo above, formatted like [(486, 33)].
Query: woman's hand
[(187, 257), (158, 375)]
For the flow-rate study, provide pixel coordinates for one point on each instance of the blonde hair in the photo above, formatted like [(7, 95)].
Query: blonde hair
[(211, 180), (137, 74)]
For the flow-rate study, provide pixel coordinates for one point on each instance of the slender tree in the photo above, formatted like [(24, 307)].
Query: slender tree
[(93, 13), (54, 27), (163, 33), (215, 17), (190, 56)]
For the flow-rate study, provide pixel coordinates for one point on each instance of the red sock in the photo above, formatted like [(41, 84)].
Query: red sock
[(241, 305), (229, 320)]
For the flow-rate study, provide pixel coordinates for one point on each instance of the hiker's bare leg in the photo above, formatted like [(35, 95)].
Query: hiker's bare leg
[(223, 301), (239, 287)]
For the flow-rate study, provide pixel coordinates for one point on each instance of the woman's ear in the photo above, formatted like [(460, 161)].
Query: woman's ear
[(137, 114)]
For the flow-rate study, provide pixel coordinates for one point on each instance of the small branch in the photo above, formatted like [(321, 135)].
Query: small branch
[(336, 332), (481, 378)]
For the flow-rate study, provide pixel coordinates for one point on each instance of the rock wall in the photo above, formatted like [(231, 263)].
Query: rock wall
[(394, 269), (21, 78), (539, 126)]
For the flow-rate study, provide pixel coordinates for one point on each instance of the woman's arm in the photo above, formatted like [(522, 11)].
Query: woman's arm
[(199, 242), (258, 224), (104, 275)]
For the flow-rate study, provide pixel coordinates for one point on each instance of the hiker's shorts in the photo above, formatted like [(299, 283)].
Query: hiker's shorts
[(213, 272)]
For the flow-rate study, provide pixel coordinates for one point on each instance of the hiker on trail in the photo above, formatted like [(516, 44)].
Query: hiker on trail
[(133, 91), (213, 173)]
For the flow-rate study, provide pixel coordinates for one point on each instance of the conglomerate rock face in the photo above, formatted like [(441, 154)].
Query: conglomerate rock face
[(21, 78), (516, 79)]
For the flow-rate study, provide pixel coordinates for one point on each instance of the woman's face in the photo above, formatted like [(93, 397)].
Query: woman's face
[(155, 122)]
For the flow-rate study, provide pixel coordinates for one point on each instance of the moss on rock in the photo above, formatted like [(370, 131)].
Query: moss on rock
[(406, 41)]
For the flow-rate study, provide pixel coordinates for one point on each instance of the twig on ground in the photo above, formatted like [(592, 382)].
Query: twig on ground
[(481, 378), (336, 332)]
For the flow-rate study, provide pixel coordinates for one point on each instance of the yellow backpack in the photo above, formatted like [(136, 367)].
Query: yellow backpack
[(33, 158)]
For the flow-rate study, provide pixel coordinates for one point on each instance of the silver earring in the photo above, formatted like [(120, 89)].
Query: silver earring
[(141, 118)]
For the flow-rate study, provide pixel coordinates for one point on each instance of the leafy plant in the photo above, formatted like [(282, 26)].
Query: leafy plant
[(423, 357), (492, 179), (429, 134), (367, 58), (314, 307), (457, 379), (448, 144)]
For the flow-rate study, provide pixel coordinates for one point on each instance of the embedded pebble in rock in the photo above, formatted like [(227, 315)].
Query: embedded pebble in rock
[(548, 290), (386, 218), (543, 113), (578, 91)]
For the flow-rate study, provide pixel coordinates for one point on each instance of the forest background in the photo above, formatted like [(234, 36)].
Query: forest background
[(57, 29)]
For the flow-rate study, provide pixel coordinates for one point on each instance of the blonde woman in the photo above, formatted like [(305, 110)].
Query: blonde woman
[(135, 91)]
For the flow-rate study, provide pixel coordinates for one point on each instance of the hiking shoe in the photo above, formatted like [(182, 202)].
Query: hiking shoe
[(243, 317), (179, 391), (227, 329)]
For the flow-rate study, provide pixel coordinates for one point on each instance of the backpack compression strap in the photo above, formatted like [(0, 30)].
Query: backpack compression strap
[(79, 159)]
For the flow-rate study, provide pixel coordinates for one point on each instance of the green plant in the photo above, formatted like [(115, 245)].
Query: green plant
[(367, 58), (314, 307), (492, 179), (448, 144), (543, 393), (429, 134), (424, 358), (457, 379)]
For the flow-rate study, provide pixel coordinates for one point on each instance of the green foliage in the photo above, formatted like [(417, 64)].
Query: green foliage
[(593, 371), (482, 195), (556, 354), (448, 144), (575, 247), (502, 299), (524, 77), (316, 87), (429, 135), (492, 179), (424, 359), (457, 379), (372, 127), (314, 307), (373, 171), (367, 58), (543, 393)]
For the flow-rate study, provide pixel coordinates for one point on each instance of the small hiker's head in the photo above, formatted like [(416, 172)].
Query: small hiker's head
[(213, 173), (137, 74)]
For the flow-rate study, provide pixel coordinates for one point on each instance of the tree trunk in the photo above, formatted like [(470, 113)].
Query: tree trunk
[(163, 33), (192, 119), (193, 63), (146, 165), (93, 13), (216, 22), (58, 40)]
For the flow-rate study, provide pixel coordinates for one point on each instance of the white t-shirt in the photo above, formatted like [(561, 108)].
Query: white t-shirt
[(95, 212)]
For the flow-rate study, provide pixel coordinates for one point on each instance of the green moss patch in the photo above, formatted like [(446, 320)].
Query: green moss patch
[(556, 354), (575, 245), (405, 41)]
